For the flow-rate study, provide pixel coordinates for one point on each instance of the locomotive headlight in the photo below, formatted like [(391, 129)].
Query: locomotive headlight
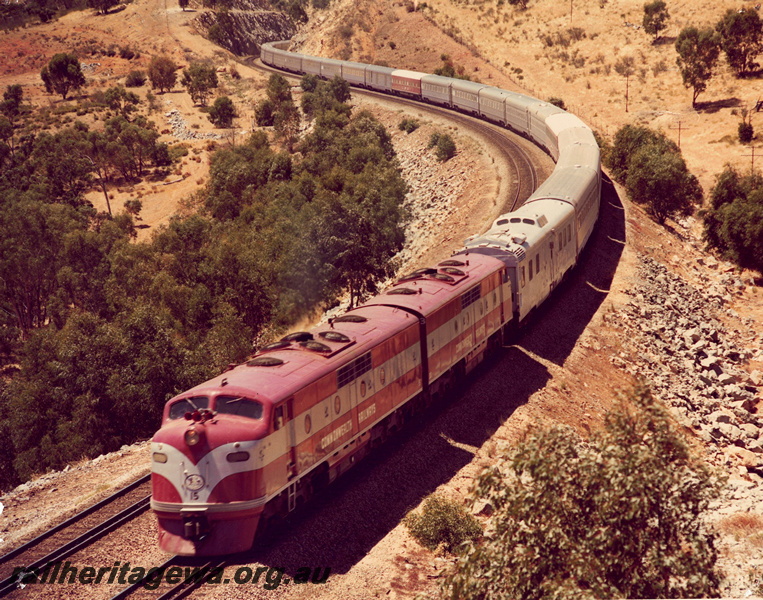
[(192, 437), (160, 457)]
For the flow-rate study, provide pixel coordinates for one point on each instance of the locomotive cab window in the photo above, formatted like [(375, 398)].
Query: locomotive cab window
[(235, 405), (179, 408)]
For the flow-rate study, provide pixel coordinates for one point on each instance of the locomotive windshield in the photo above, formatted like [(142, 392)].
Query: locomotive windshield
[(179, 408), (235, 405)]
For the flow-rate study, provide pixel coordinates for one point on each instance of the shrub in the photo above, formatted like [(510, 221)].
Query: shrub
[(444, 522), (161, 155), (620, 516), (408, 125), (135, 79), (433, 139), (128, 53), (745, 132), (557, 102), (446, 148)]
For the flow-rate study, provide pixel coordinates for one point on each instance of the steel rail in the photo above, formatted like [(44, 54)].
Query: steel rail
[(10, 583), (72, 520)]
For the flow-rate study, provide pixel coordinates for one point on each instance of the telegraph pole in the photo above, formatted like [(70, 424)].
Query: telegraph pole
[(752, 162), (679, 127)]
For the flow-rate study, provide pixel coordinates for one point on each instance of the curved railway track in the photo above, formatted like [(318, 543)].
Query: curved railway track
[(511, 152), (77, 532)]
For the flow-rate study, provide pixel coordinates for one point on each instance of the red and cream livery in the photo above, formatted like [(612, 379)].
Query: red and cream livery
[(249, 445), (263, 436)]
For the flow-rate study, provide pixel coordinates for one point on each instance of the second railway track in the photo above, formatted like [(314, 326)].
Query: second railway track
[(76, 533)]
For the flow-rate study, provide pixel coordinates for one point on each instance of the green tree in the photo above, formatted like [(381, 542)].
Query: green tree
[(11, 104), (326, 96), (698, 52), (183, 4), (222, 112), (124, 102), (734, 222), (741, 39), (263, 113), (62, 74), (623, 518), (660, 180), (278, 90), (30, 251), (199, 79), (626, 67), (655, 15), (130, 146), (628, 140), (162, 73), (309, 82)]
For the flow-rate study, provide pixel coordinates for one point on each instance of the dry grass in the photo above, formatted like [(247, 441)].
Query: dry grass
[(744, 526)]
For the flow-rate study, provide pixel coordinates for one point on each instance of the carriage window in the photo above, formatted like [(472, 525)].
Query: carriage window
[(523, 277), (235, 405), (531, 269), (179, 408)]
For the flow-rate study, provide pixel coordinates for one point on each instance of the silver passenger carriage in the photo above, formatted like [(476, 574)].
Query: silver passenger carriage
[(437, 89), (331, 67), (538, 113), (379, 78), (492, 101), (466, 95), (354, 73)]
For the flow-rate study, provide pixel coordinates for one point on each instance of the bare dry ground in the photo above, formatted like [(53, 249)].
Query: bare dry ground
[(562, 369)]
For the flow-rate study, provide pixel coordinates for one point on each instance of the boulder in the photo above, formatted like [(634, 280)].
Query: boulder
[(719, 417), (745, 457)]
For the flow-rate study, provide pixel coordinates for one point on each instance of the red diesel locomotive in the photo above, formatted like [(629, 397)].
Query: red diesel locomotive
[(251, 444)]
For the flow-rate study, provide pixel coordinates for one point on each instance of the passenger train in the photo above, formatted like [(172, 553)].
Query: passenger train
[(245, 448)]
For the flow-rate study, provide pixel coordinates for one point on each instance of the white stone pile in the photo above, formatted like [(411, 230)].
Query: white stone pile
[(180, 128)]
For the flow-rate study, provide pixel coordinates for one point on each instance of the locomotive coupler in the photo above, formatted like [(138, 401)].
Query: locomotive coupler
[(195, 524)]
